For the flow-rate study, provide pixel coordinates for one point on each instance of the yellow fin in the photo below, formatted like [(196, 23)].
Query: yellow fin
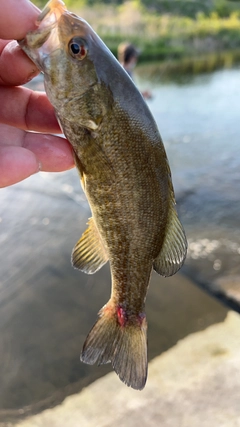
[(174, 249), (89, 254)]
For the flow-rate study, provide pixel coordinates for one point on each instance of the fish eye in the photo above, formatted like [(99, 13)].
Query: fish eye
[(78, 48)]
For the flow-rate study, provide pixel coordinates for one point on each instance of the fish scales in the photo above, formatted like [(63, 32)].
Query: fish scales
[(126, 177)]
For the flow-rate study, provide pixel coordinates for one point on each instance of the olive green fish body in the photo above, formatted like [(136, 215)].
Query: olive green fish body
[(125, 175)]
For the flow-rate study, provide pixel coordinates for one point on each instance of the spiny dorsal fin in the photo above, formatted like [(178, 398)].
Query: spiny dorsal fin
[(89, 254), (174, 249)]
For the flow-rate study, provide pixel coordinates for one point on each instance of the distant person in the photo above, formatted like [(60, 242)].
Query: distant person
[(128, 57)]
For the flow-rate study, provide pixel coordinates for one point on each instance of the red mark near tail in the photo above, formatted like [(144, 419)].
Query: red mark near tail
[(122, 316)]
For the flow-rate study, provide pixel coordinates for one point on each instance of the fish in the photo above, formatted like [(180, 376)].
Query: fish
[(125, 174)]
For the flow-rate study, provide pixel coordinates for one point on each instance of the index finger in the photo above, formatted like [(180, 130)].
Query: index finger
[(17, 18), (15, 67)]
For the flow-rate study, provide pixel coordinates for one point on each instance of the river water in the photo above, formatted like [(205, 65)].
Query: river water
[(199, 123), (47, 307)]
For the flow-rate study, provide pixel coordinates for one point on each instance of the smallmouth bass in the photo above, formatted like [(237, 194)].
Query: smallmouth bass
[(126, 177)]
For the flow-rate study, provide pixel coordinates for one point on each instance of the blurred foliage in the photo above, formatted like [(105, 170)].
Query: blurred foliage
[(189, 8), (179, 70), (164, 29)]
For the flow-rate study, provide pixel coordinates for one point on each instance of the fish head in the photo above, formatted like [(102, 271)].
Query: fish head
[(64, 48)]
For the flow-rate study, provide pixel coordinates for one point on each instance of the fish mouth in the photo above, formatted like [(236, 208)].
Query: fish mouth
[(38, 44), (53, 7)]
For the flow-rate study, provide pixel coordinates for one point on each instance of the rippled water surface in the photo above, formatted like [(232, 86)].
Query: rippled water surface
[(199, 123)]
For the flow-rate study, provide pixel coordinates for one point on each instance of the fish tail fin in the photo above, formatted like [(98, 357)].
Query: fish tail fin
[(121, 340)]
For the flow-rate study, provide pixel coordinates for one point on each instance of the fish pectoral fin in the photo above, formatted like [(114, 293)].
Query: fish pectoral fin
[(174, 249), (89, 254), (91, 107)]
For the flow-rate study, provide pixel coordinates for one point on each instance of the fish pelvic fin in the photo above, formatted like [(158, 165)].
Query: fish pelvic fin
[(121, 341), (89, 254), (174, 248)]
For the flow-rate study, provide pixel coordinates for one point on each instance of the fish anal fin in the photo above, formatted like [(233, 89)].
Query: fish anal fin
[(124, 346), (89, 254), (174, 248)]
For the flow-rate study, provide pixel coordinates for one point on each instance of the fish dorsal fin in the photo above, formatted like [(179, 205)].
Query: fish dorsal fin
[(89, 254), (174, 249)]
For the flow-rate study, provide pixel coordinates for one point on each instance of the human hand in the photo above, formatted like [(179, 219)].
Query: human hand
[(23, 153)]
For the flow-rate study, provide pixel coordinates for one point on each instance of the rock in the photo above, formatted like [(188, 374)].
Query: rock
[(196, 383)]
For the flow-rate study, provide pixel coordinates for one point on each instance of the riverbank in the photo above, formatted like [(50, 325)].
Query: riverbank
[(163, 36), (181, 69), (196, 383)]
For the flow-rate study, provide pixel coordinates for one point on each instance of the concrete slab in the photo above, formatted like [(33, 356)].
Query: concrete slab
[(196, 383)]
